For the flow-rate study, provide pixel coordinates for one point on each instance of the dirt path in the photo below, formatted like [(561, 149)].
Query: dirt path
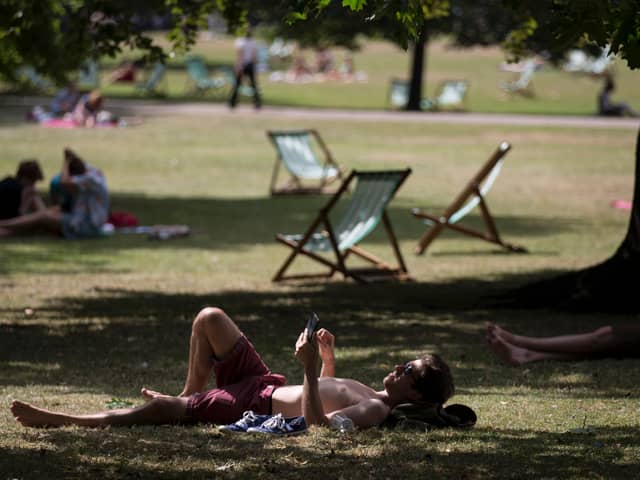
[(154, 107)]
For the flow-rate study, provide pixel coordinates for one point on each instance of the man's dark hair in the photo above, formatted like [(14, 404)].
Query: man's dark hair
[(30, 170), (435, 382), (76, 164)]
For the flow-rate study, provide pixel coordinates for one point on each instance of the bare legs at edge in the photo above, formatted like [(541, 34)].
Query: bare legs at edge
[(212, 332), (518, 349)]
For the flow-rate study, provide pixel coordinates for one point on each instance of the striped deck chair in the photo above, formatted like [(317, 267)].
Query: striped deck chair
[(362, 213), (472, 195), (199, 81), (298, 151), (89, 75), (155, 82)]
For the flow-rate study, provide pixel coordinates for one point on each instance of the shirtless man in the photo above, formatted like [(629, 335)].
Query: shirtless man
[(245, 383)]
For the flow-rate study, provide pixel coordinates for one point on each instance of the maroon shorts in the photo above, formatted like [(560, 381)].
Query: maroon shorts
[(243, 383)]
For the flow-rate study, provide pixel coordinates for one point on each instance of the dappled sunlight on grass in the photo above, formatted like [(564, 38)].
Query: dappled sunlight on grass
[(84, 322)]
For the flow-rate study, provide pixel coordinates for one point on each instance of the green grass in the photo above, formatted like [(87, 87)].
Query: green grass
[(113, 314), (556, 92)]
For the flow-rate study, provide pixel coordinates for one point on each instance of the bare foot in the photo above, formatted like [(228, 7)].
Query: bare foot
[(508, 353), (498, 331), (151, 394), (30, 416)]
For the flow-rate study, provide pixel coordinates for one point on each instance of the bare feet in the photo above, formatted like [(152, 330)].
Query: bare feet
[(510, 354), (498, 331), (30, 416)]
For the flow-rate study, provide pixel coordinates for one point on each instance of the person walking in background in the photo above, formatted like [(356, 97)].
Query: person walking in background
[(18, 195), (247, 57)]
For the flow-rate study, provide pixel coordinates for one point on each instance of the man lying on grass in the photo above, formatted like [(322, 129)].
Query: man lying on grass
[(245, 383)]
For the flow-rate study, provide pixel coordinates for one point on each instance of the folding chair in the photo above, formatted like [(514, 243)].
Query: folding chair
[(29, 77), (362, 213), (89, 75), (199, 81), (450, 95), (398, 94), (155, 82), (472, 195), (297, 150), (522, 85)]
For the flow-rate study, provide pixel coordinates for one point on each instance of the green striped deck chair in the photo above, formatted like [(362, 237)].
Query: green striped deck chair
[(298, 151), (89, 75), (330, 241), (155, 81), (199, 81), (473, 195)]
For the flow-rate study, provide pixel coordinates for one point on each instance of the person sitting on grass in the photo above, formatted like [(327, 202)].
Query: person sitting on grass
[(90, 205), (604, 342), (245, 383), (18, 195), (609, 108)]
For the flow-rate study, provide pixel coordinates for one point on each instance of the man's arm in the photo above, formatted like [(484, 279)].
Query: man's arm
[(307, 353), (368, 413), (66, 181)]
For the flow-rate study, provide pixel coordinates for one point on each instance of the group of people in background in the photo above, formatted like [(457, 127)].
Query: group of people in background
[(79, 200), (75, 107)]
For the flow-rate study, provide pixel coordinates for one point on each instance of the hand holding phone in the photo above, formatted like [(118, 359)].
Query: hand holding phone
[(312, 325)]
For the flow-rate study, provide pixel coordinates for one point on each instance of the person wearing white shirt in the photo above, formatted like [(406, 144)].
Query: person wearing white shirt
[(247, 56)]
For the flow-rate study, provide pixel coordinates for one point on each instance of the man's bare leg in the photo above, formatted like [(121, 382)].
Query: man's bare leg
[(161, 409), (515, 355), (583, 343), (213, 333), (49, 220)]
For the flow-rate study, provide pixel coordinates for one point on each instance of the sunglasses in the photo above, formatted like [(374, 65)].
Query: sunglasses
[(408, 369)]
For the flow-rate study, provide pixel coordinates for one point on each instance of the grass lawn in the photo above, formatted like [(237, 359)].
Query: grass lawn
[(556, 91), (113, 314)]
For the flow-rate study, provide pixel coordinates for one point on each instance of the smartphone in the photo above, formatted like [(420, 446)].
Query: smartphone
[(312, 325)]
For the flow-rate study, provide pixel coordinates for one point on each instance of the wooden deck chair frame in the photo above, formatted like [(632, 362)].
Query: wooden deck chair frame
[(296, 184), (379, 268), (473, 195)]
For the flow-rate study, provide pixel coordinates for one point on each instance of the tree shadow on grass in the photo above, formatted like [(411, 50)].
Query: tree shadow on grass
[(200, 452), (220, 224), (116, 340)]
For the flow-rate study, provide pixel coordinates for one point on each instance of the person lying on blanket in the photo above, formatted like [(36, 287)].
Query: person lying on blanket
[(245, 383)]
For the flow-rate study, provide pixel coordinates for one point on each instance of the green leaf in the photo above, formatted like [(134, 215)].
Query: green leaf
[(355, 5)]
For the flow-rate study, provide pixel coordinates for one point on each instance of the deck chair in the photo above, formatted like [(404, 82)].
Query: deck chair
[(579, 62), (89, 75), (450, 95), (522, 85), (31, 78), (340, 237), (398, 94), (297, 150), (472, 195), (199, 81), (153, 84)]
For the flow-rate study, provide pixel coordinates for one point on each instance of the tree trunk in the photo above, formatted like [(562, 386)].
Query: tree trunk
[(610, 286), (417, 69)]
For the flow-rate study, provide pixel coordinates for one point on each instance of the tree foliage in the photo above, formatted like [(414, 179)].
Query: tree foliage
[(56, 36)]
